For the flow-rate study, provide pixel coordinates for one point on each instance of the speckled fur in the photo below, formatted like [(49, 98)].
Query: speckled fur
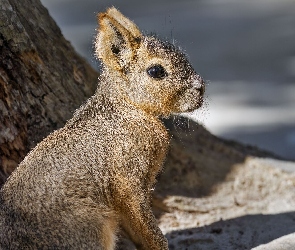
[(83, 181)]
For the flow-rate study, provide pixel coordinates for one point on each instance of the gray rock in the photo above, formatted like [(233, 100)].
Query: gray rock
[(284, 243), (218, 194)]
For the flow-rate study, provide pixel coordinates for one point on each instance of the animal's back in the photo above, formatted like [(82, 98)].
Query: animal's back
[(69, 174)]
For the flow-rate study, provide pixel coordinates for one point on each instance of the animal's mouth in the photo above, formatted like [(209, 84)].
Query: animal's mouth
[(197, 103), (191, 98)]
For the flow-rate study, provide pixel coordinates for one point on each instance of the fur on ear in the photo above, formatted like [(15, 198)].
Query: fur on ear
[(117, 39)]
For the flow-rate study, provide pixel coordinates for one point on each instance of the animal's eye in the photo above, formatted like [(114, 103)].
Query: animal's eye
[(157, 71)]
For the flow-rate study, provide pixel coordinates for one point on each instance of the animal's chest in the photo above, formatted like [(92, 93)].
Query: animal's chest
[(145, 137), (140, 146)]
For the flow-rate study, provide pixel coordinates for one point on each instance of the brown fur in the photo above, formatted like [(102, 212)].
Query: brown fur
[(75, 188)]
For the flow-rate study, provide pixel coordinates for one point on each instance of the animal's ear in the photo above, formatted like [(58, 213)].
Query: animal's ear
[(117, 39)]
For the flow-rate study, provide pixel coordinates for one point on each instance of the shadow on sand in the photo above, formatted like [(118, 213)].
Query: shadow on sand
[(235, 233), (198, 161)]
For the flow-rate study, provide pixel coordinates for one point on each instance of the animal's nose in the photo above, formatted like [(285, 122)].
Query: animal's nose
[(202, 89), (199, 84)]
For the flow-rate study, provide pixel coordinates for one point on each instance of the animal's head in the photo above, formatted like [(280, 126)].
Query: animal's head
[(157, 76)]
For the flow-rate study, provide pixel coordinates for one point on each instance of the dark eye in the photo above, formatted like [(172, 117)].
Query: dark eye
[(157, 71)]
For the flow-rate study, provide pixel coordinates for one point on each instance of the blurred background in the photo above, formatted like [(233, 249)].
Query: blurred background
[(245, 50)]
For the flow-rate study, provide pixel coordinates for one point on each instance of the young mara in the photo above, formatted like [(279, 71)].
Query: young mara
[(96, 174)]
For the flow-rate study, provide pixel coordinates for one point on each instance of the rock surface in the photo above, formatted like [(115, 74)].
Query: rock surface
[(284, 243), (216, 194), (42, 79)]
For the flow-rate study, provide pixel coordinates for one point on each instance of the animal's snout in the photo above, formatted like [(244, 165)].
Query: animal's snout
[(199, 84)]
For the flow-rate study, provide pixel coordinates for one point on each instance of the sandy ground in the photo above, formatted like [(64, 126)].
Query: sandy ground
[(244, 49)]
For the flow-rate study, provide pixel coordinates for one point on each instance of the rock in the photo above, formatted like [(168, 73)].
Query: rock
[(284, 243), (218, 194), (42, 80)]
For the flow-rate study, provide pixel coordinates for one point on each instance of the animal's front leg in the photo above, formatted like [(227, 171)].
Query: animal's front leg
[(133, 206)]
